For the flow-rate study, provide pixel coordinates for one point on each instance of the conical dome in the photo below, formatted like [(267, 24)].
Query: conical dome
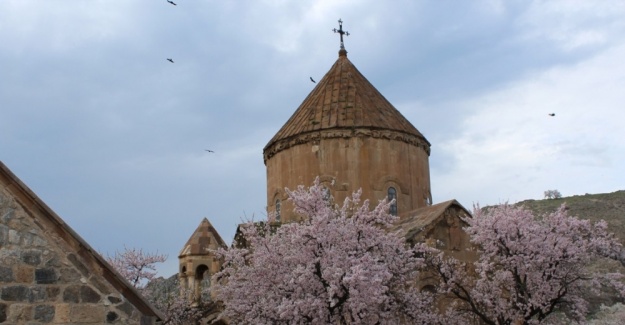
[(343, 100)]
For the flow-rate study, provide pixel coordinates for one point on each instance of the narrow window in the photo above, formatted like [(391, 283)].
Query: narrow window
[(392, 195), (326, 194), (278, 206)]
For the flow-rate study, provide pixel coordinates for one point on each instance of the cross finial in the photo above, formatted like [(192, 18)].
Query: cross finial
[(341, 32)]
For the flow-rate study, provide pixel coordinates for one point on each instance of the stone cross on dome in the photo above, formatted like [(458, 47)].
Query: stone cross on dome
[(341, 32)]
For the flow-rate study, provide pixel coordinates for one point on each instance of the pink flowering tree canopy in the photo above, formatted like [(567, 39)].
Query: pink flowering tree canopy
[(339, 265), (139, 268), (529, 267)]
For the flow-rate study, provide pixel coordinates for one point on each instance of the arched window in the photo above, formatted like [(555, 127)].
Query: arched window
[(278, 206), (202, 277), (392, 195), (326, 194)]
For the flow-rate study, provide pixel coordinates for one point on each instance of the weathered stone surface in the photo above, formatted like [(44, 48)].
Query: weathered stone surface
[(100, 285), (50, 276), (45, 276), (31, 257), (15, 293), (87, 294), (68, 275), (4, 235), (52, 292), (61, 314), (3, 313), (44, 313), (78, 264), (25, 274), (111, 317), (71, 294), (114, 300), (6, 274), (87, 314), (38, 294), (20, 313), (126, 307)]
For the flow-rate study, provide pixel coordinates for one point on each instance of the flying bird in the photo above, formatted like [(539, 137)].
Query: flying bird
[(552, 114), (173, 3), (210, 151), (170, 60), (313, 80)]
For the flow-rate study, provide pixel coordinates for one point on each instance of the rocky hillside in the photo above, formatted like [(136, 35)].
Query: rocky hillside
[(608, 206)]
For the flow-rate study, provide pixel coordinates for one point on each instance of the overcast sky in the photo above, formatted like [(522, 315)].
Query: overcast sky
[(112, 136)]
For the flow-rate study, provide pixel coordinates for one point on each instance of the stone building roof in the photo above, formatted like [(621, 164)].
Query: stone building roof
[(343, 100), (200, 241), (421, 220), (80, 253)]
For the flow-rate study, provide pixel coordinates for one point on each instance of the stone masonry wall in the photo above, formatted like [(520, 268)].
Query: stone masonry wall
[(42, 281)]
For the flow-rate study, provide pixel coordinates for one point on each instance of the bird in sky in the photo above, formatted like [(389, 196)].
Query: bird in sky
[(313, 80), (211, 151), (552, 114), (170, 60), (173, 3)]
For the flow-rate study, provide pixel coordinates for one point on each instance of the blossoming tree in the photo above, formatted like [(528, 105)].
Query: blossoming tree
[(529, 267), (139, 268), (339, 265)]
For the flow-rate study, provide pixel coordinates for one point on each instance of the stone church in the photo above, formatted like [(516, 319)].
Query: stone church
[(346, 133), (50, 275)]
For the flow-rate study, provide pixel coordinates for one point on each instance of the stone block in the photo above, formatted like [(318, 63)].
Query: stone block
[(14, 237), (68, 275), (52, 292), (31, 257), (87, 294), (99, 285), (62, 314), (38, 294), (44, 313), (71, 294), (87, 314), (114, 299), (25, 274), (20, 313), (127, 308), (45, 276), (4, 235), (3, 313), (111, 317), (15, 293), (78, 264), (6, 274)]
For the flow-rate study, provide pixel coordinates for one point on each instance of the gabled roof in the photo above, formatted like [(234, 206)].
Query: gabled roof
[(203, 239), (343, 99), (49, 220), (423, 219)]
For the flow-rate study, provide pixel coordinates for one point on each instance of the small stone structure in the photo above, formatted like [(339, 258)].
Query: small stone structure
[(49, 275), (197, 261)]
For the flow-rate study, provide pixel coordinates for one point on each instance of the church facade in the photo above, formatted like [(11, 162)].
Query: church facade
[(346, 133)]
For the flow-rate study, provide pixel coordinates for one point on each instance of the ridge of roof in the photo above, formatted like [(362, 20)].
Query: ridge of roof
[(32, 203), (198, 243), (343, 100)]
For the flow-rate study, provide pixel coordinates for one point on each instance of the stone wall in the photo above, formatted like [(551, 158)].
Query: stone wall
[(43, 280)]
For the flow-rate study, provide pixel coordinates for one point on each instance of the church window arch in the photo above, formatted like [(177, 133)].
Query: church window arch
[(278, 208), (202, 278), (326, 194), (392, 195)]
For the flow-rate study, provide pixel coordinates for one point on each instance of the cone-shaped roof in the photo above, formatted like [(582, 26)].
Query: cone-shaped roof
[(343, 99), (200, 242)]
